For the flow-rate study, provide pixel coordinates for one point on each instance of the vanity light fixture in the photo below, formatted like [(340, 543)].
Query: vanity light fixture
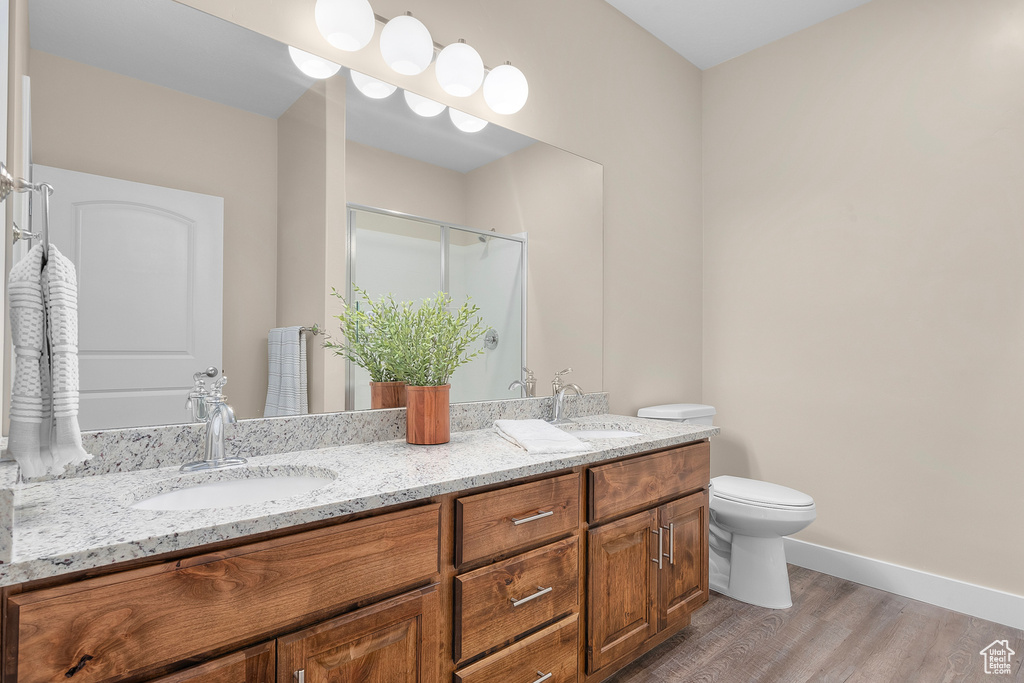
[(467, 123), (506, 89), (346, 24), (423, 106), (371, 87), (311, 65), (406, 45), (459, 69)]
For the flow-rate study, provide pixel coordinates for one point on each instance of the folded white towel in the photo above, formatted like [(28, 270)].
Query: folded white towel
[(44, 434), (286, 381), (538, 437)]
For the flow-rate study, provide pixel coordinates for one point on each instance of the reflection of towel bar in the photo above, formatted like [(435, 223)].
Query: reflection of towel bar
[(314, 330), (9, 184)]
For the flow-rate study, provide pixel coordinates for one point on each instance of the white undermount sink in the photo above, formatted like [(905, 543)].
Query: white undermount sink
[(230, 488)]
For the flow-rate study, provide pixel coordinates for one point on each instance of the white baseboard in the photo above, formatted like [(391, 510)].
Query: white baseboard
[(959, 596)]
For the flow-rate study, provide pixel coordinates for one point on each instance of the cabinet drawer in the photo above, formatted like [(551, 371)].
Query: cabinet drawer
[(136, 622), (495, 604), (631, 485), (255, 665), (501, 522), (553, 650)]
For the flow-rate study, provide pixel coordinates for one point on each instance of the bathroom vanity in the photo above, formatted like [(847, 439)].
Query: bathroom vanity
[(512, 567)]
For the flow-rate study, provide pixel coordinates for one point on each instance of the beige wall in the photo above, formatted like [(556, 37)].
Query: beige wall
[(554, 197), (95, 121), (391, 181), (864, 279), (604, 89), (302, 221)]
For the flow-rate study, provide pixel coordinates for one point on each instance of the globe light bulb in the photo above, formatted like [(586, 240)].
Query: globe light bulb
[(346, 24), (506, 89), (459, 70), (406, 45), (311, 65), (467, 123), (422, 105), (371, 87)]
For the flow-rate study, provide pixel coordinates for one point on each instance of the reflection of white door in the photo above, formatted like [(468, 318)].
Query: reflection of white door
[(150, 265)]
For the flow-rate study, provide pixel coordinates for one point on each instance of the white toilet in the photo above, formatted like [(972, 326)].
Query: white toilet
[(747, 522)]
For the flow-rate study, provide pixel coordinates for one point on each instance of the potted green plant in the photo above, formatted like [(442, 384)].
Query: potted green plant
[(434, 341), (371, 342)]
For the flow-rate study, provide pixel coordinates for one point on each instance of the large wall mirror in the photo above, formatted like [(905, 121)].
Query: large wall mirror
[(208, 191)]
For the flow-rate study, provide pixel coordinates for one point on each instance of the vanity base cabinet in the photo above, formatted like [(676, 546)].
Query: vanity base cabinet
[(396, 641)]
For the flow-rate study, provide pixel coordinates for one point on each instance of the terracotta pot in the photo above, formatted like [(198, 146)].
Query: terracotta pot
[(428, 419), (387, 395)]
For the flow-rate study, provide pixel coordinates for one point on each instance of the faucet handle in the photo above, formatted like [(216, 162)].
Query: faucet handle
[(556, 383), (529, 375), (563, 372), (218, 386)]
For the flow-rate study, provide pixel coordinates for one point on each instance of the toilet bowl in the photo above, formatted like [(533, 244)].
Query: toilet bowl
[(747, 523)]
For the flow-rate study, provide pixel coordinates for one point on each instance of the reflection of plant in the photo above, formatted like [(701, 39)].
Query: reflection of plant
[(371, 334), (396, 342), (435, 340)]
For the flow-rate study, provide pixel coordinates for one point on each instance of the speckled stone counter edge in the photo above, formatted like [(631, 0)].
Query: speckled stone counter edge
[(128, 450)]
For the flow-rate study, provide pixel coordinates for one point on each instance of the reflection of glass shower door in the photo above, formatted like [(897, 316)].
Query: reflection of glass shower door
[(489, 269), (389, 255), (413, 258)]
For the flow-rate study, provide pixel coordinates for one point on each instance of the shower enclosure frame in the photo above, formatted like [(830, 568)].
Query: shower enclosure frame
[(445, 226)]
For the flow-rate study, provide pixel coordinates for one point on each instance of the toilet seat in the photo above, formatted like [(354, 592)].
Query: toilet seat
[(760, 494)]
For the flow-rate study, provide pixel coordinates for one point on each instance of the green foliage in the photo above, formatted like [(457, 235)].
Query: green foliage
[(395, 341), (370, 334), (435, 341)]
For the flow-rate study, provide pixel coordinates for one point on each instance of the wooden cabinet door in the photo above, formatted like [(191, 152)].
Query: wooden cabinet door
[(683, 578), (253, 665), (622, 585), (395, 641)]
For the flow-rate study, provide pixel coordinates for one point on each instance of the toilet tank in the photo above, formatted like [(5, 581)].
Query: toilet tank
[(691, 413)]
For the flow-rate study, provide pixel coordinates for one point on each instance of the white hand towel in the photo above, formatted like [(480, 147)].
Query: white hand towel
[(286, 382), (44, 434), (538, 437)]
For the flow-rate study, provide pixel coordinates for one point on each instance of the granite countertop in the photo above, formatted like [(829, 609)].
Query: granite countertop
[(68, 525)]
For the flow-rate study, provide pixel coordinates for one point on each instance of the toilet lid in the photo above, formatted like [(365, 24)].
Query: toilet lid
[(755, 492)]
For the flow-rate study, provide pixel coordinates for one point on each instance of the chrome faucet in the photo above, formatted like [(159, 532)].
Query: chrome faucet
[(556, 383), (217, 414), (557, 409), (528, 384)]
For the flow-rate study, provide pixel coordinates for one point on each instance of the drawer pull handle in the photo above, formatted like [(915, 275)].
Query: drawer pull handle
[(672, 544), (543, 677), (661, 554), (540, 592), (532, 518), (300, 676)]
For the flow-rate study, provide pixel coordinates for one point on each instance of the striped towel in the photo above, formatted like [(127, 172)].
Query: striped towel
[(286, 385), (44, 433)]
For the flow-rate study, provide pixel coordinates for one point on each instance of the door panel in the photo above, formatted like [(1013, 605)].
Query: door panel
[(395, 641), (683, 583), (622, 582), (150, 271)]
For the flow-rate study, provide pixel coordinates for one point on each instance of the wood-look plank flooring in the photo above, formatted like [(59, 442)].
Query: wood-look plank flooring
[(837, 631)]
